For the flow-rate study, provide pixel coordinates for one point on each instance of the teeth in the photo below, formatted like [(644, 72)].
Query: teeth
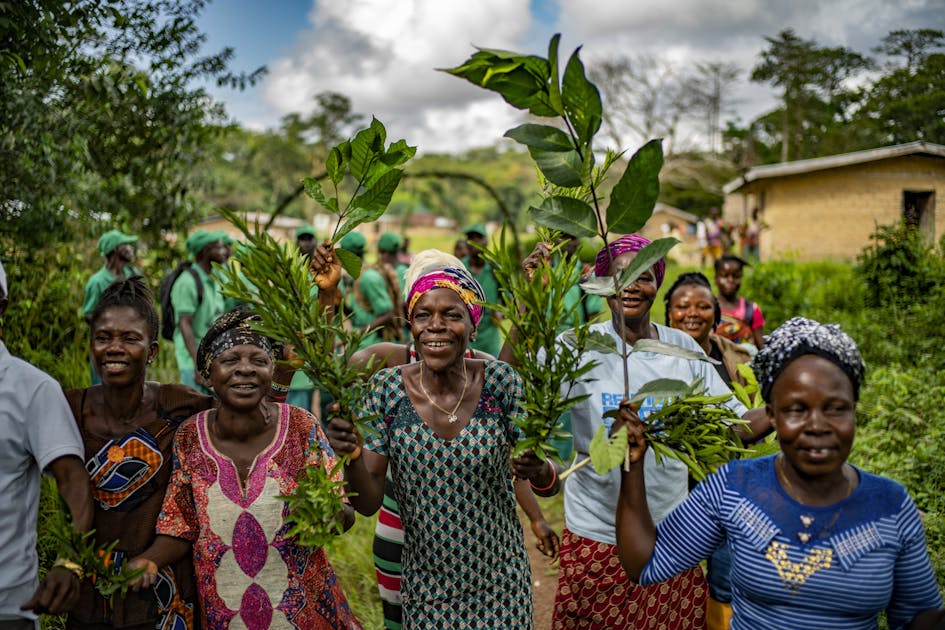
[(112, 364)]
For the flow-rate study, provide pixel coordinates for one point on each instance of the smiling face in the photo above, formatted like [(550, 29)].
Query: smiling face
[(121, 345), (241, 376), (636, 300), (442, 327), (692, 310), (813, 410)]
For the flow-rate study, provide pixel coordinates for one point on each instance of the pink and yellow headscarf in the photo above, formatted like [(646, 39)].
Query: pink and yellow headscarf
[(453, 278)]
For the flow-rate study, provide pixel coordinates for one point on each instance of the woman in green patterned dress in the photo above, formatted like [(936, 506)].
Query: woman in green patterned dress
[(445, 425)]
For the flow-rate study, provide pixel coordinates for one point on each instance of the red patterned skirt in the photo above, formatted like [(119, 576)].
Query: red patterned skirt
[(594, 592)]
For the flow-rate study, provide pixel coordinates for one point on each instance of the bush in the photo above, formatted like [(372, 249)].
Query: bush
[(899, 266)]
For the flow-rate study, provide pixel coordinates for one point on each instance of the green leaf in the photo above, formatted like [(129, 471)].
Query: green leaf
[(595, 341), (373, 201), (634, 196), (313, 188), (581, 100), (660, 389), (334, 165), (562, 168), (566, 214), (672, 350), (543, 137), (607, 453), (645, 259), (554, 81), (380, 135), (522, 80), (350, 262), (362, 152)]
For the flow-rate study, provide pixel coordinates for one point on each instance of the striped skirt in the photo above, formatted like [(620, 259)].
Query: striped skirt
[(388, 551)]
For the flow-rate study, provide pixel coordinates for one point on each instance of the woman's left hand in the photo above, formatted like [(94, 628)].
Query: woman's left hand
[(636, 443), (548, 542), (326, 267)]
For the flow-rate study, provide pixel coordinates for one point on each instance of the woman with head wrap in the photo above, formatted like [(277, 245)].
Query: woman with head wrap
[(388, 533), (815, 541), (231, 465), (593, 589), (445, 425)]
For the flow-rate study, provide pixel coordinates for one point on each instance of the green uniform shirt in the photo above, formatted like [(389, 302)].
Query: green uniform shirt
[(374, 302), (488, 335), (97, 285), (184, 300), (593, 304), (401, 270)]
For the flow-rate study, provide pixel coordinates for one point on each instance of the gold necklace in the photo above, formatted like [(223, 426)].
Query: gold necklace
[(806, 519), (450, 415)]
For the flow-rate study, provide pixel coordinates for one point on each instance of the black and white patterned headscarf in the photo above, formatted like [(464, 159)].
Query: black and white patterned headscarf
[(799, 336), (229, 330)]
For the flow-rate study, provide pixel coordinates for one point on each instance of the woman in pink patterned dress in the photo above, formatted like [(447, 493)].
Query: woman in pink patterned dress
[(231, 464)]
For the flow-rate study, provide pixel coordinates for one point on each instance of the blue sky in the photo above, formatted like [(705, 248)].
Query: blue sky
[(382, 53)]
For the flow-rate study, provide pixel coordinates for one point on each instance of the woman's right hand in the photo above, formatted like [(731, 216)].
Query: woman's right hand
[(146, 579), (343, 435), (326, 267), (628, 417), (530, 264)]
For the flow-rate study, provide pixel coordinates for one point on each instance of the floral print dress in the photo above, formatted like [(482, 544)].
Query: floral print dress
[(250, 574)]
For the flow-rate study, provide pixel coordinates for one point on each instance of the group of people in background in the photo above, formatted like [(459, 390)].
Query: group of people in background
[(715, 237), (186, 478)]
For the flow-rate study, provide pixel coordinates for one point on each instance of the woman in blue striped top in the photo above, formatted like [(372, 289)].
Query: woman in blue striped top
[(815, 541)]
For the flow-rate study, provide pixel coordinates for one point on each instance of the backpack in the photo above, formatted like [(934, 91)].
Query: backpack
[(168, 320)]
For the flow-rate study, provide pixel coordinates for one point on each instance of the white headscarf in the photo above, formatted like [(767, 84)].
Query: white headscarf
[(426, 261)]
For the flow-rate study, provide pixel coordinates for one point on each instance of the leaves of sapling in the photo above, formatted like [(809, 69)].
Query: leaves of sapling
[(541, 137), (554, 87), (644, 260), (313, 188), (595, 341), (562, 168), (581, 100), (362, 152), (607, 452), (634, 196), (660, 389), (669, 349), (334, 165), (566, 214), (350, 262)]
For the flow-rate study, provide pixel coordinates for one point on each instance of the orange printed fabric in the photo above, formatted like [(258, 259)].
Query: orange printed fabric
[(594, 593)]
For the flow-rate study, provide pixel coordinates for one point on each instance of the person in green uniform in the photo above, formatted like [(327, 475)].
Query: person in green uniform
[(302, 389), (389, 249), (488, 337), (119, 252), (366, 298), (394, 270), (194, 316)]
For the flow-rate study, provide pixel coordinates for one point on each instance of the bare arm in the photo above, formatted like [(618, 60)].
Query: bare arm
[(758, 337), (636, 533), (548, 541), (364, 470), (759, 426), (59, 591), (932, 619)]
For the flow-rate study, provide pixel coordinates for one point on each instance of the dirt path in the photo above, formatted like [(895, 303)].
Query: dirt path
[(544, 579)]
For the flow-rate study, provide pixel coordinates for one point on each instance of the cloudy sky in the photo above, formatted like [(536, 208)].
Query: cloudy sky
[(383, 53)]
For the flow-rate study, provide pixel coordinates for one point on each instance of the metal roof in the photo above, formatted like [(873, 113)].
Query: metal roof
[(833, 161)]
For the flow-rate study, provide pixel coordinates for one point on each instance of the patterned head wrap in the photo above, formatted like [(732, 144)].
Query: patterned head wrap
[(229, 330), (454, 278), (622, 245), (799, 336), (426, 261)]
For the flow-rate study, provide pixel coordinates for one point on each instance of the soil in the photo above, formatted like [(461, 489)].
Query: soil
[(544, 578)]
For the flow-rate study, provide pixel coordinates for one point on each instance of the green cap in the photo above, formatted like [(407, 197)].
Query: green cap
[(112, 239), (477, 228), (200, 239), (305, 229), (354, 242), (227, 238), (389, 242)]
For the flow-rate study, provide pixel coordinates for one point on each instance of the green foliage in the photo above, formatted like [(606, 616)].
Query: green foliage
[(314, 506), (898, 266), (537, 309), (374, 171), (693, 428), (103, 114)]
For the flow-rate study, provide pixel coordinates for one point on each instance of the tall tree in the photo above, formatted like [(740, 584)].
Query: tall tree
[(812, 79), (712, 84), (103, 114)]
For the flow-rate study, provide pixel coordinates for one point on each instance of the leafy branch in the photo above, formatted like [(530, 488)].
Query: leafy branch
[(376, 176), (96, 561)]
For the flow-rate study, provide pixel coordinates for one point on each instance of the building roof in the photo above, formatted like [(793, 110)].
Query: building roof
[(682, 215), (833, 161)]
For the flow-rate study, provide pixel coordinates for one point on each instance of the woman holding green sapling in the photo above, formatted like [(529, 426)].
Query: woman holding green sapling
[(389, 533), (815, 542), (593, 589), (445, 426)]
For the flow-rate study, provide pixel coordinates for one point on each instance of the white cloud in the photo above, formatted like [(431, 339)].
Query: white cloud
[(383, 56)]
